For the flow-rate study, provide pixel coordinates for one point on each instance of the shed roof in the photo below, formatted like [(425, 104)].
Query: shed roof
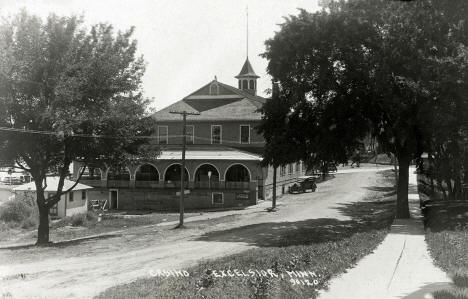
[(209, 154), (52, 185)]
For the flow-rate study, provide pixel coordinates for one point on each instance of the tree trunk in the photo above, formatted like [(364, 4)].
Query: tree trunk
[(43, 229), (402, 188), (273, 200)]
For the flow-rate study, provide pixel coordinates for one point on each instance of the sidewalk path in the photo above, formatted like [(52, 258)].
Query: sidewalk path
[(400, 267)]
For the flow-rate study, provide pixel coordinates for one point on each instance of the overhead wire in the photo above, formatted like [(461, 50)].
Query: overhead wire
[(53, 133)]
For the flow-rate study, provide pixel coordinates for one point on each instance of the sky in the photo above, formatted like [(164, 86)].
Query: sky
[(185, 43)]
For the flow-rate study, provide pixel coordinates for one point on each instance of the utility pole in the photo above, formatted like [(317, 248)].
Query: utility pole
[(182, 168)]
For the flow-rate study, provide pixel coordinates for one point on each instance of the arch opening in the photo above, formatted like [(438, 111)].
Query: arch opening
[(172, 176), (147, 172), (237, 177), (118, 177), (206, 176)]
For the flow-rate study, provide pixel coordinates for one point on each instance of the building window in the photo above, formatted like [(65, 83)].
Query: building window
[(244, 134), (217, 198), (70, 196), (245, 84), (162, 135), (190, 132), (216, 134), (83, 195), (251, 84), (240, 84), (290, 170)]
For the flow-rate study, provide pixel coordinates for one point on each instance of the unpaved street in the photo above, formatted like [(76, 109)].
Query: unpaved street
[(83, 269)]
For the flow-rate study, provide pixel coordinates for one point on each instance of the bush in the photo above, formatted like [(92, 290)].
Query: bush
[(453, 293), (91, 216), (4, 227), (31, 221), (78, 219), (460, 279), (15, 211), (82, 219)]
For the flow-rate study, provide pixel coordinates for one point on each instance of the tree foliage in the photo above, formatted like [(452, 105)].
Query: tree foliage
[(64, 85), (375, 67)]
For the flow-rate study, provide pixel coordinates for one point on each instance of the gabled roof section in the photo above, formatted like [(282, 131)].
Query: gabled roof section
[(205, 91), (247, 70), (164, 114), (229, 103)]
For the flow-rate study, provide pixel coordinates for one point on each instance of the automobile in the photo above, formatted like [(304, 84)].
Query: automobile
[(303, 184)]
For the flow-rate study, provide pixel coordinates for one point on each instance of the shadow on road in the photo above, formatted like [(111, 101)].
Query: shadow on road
[(373, 214), (426, 290)]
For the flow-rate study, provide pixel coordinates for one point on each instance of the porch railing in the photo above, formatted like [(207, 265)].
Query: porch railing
[(148, 184), (118, 184), (237, 185), (208, 185)]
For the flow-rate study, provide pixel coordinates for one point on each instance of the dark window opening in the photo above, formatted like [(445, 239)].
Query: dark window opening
[(237, 173), (245, 134), (173, 174), (216, 134)]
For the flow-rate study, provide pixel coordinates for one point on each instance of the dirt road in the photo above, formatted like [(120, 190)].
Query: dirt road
[(84, 269)]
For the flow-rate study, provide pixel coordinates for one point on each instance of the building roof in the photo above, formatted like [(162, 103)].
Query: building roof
[(215, 101), (52, 185), (209, 154), (247, 70)]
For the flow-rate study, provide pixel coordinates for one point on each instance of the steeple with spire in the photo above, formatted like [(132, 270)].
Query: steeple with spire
[(247, 77)]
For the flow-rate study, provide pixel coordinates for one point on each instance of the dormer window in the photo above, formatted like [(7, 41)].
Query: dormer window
[(214, 88)]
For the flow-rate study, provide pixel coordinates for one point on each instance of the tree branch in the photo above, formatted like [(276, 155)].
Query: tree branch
[(59, 194)]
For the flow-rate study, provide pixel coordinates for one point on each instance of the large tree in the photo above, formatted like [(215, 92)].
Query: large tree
[(370, 67), (281, 146), (68, 93)]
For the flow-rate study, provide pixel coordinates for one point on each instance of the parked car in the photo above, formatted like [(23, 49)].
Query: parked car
[(304, 184)]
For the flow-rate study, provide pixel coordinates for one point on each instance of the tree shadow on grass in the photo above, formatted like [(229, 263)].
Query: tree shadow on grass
[(62, 243), (365, 216)]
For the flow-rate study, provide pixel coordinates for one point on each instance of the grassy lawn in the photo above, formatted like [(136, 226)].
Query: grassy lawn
[(447, 238), (78, 226), (449, 249), (86, 225), (296, 264)]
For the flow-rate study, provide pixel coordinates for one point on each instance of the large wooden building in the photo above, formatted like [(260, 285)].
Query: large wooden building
[(222, 158)]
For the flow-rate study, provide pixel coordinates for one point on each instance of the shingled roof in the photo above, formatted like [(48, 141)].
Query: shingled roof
[(227, 103), (247, 70)]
